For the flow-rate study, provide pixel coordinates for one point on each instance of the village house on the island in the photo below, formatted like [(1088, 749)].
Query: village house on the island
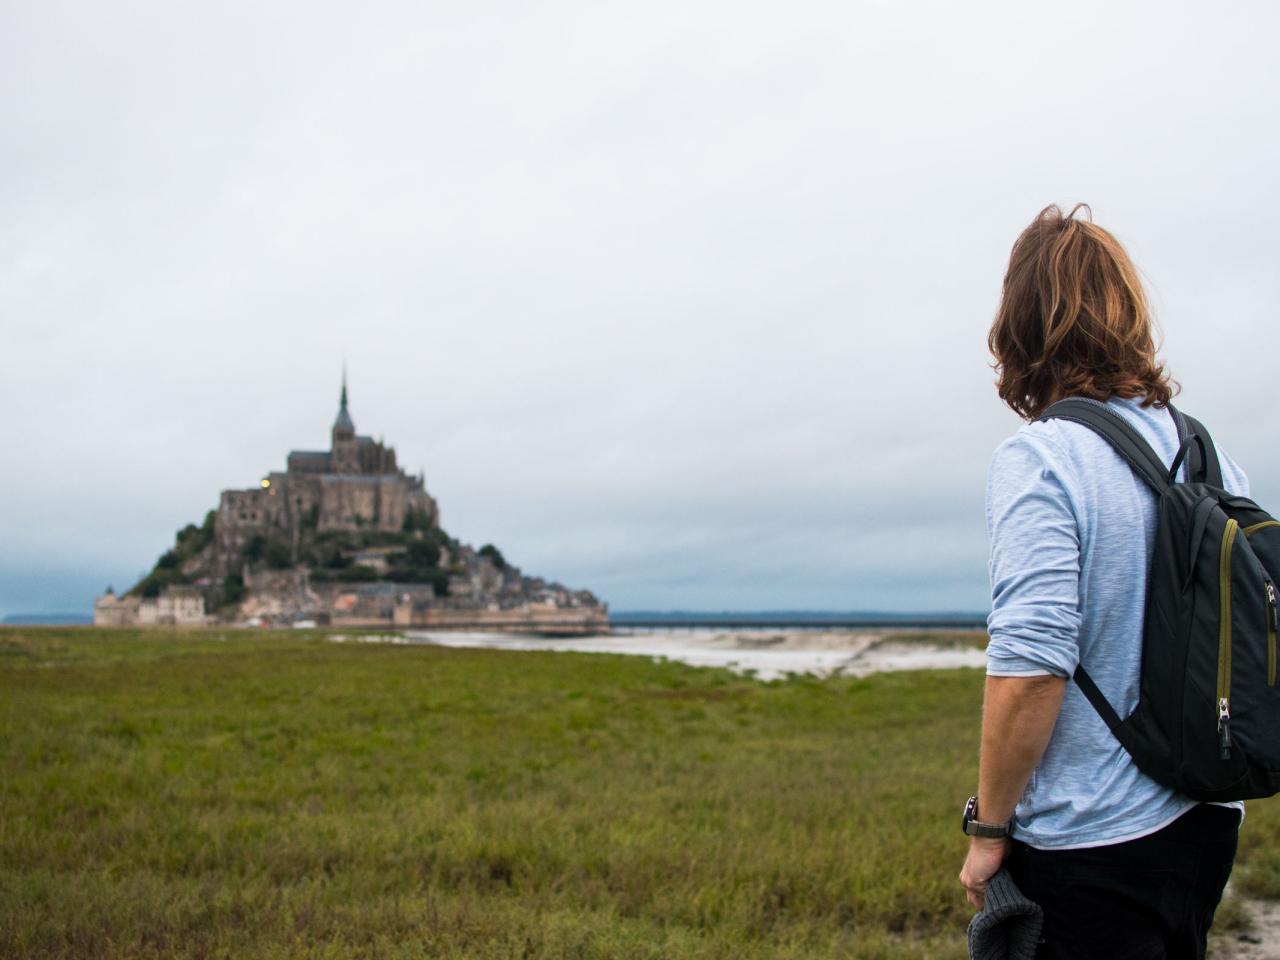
[(178, 606)]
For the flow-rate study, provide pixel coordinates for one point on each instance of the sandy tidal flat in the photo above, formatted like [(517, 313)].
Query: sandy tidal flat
[(767, 654)]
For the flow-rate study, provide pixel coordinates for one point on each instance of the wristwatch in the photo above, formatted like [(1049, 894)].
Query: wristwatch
[(976, 828)]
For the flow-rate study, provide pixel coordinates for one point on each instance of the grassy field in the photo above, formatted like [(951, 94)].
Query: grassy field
[(280, 795)]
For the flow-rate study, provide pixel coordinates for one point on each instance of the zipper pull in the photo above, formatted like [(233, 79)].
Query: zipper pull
[(1224, 729), (1275, 606)]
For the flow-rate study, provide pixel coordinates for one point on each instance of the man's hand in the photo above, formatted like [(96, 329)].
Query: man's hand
[(984, 859)]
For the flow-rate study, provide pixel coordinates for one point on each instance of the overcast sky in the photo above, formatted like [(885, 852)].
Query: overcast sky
[(681, 302)]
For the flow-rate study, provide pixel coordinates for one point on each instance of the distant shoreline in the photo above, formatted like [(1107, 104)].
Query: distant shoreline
[(47, 620), (798, 619), (736, 619)]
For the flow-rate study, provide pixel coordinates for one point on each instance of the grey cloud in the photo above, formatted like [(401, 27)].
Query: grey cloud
[(684, 302)]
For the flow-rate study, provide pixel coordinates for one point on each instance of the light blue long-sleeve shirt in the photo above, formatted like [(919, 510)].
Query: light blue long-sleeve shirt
[(1072, 529)]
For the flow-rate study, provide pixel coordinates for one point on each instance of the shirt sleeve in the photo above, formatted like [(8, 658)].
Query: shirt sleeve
[(1233, 478), (1034, 625)]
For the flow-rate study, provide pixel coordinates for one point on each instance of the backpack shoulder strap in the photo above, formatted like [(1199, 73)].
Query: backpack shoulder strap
[(1212, 467), (1135, 451), (1096, 698), (1104, 709), (1116, 431)]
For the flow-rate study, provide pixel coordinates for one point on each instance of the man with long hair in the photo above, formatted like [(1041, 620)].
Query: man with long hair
[(1122, 866)]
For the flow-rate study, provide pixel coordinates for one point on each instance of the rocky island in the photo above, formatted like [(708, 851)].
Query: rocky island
[(343, 537)]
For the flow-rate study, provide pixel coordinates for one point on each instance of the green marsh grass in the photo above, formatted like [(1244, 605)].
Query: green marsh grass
[(275, 795)]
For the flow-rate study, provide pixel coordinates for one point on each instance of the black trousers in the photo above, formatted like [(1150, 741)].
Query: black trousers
[(1147, 899)]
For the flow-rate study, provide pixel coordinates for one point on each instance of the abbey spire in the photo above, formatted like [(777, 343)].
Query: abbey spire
[(343, 422)]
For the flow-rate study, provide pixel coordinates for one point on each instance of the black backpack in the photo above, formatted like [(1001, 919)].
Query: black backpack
[(1208, 716)]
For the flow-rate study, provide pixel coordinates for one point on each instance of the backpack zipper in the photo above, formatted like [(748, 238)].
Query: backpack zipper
[(1273, 607), (1273, 627), (1224, 639)]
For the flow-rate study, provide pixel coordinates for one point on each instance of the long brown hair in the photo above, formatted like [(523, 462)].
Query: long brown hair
[(1073, 319)]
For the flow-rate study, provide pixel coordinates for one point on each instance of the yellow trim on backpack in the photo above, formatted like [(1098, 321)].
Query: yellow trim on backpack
[(1224, 611), (1248, 531)]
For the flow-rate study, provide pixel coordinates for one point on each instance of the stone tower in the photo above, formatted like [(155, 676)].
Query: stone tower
[(343, 447)]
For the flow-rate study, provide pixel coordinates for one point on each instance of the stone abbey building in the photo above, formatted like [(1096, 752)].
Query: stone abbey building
[(354, 486)]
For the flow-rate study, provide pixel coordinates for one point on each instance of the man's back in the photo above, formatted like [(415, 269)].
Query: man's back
[(1072, 529)]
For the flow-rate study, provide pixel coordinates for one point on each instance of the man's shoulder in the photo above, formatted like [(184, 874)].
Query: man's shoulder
[(1072, 447), (1038, 444)]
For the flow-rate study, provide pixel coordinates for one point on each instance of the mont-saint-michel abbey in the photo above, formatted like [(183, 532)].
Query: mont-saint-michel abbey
[(342, 536), (353, 486)]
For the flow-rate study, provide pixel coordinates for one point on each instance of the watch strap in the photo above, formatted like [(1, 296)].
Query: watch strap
[(976, 828)]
